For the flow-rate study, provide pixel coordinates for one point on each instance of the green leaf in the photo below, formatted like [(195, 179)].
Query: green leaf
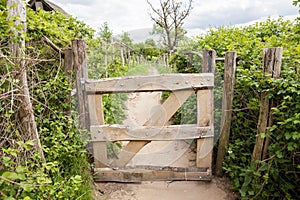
[(21, 169), (21, 177), (10, 175), (6, 159), (279, 154), (27, 188), (9, 198)]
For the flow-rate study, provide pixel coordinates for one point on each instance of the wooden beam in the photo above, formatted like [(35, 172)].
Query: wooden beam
[(164, 82), (97, 118), (229, 80), (149, 133), (209, 61), (169, 107), (205, 118), (80, 67), (205, 113), (271, 65), (139, 175), (96, 110), (68, 63)]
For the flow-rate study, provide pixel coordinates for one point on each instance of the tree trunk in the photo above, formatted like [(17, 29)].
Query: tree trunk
[(17, 9)]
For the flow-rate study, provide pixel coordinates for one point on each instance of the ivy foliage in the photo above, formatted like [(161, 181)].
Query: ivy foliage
[(278, 175), (65, 174)]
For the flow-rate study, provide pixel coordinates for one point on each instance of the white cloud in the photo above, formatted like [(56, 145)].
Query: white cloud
[(134, 14)]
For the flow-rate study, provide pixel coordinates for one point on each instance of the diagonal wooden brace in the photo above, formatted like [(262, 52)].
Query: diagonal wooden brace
[(159, 118)]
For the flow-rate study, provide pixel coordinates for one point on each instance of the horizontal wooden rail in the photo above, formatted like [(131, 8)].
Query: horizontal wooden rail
[(163, 82), (139, 175), (149, 133)]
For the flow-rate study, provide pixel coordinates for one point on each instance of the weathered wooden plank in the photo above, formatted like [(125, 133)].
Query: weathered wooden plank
[(139, 175), (205, 112), (204, 118), (163, 168), (80, 67), (275, 74), (170, 106), (229, 80), (68, 63), (97, 118), (164, 82), (96, 109), (209, 61), (271, 65), (163, 114), (150, 133), (68, 69)]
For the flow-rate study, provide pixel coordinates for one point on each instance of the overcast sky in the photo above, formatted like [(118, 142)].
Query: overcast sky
[(127, 15)]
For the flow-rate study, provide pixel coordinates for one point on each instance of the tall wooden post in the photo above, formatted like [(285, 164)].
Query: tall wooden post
[(205, 113), (68, 69), (17, 10), (271, 65), (228, 89), (80, 67)]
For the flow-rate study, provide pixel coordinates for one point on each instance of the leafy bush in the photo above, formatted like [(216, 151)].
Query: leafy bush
[(65, 174), (278, 176)]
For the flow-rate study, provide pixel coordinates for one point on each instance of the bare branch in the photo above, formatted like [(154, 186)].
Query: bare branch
[(170, 17)]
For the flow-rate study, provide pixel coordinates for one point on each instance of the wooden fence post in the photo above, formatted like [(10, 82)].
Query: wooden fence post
[(68, 63), (271, 65), (205, 103), (228, 89), (80, 66), (68, 69)]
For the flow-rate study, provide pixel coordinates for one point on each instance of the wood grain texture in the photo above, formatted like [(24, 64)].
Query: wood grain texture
[(169, 107), (149, 133), (164, 82), (228, 90), (139, 175), (271, 65), (205, 105)]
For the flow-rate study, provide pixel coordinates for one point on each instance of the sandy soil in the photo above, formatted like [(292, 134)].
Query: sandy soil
[(164, 190), (179, 154)]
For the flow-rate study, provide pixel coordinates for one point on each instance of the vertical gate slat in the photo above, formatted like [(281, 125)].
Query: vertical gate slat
[(205, 113), (97, 118)]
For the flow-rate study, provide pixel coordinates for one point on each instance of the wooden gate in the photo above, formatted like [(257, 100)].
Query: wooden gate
[(181, 86)]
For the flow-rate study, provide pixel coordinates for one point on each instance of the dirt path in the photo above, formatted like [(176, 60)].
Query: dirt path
[(139, 107)]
